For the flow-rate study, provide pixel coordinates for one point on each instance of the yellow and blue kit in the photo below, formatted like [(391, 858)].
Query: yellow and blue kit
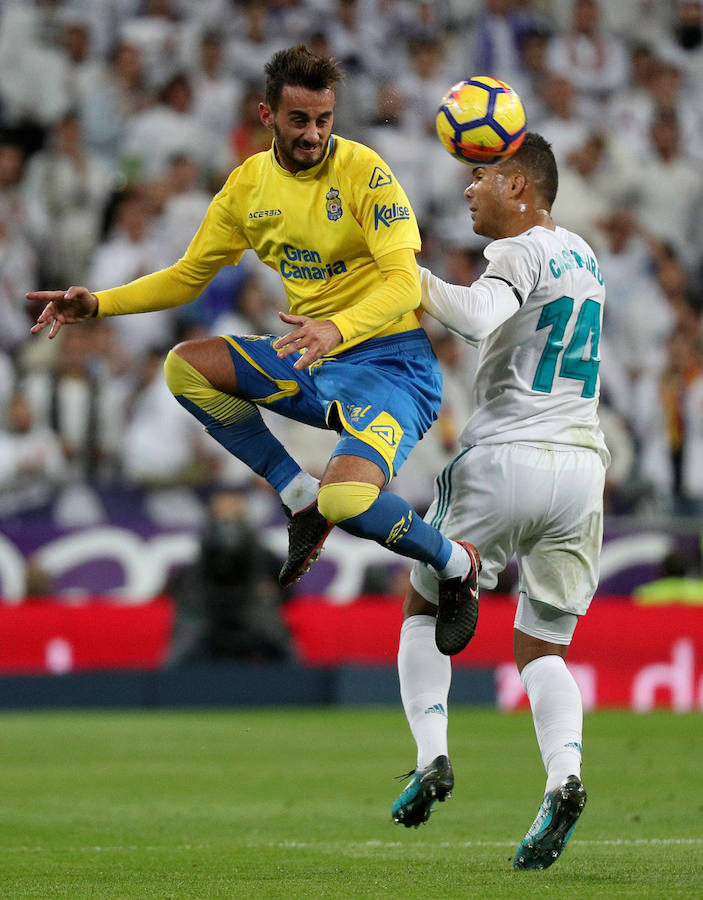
[(334, 233)]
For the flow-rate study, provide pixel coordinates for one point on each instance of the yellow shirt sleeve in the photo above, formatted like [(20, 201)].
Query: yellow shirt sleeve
[(218, 242), (159, 290), (399, 294)]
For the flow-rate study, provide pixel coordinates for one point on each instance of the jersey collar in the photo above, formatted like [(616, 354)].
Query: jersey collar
[(304, 173)]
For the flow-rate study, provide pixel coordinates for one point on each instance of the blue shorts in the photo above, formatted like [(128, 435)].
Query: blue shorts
[(381, 395)]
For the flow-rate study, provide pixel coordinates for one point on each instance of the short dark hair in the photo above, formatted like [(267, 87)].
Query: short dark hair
[(300, 67), (535, 154)]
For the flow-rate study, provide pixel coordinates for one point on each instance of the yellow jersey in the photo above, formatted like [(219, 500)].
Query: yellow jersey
[(322, 229)]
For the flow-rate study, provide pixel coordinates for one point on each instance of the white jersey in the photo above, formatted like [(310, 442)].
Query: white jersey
[(537, 311)]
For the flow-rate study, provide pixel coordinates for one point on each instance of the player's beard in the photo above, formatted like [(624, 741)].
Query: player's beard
[(285, 152)]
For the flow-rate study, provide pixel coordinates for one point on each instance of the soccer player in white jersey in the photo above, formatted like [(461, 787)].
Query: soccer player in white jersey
[(329, 216), (528, 481)]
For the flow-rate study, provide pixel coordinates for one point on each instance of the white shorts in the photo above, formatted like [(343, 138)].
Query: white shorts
[(544, 506), (544, 622)]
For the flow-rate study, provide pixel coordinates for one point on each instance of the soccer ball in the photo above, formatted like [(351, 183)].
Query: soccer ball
[(481, 120)]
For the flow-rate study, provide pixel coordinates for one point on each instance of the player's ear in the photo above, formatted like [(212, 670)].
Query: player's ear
[(266, 115), (518, 183)]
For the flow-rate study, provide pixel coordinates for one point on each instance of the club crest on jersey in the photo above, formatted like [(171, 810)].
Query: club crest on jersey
[(334, 205)]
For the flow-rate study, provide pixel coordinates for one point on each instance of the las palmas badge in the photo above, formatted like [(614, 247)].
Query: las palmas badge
[(334, 205)]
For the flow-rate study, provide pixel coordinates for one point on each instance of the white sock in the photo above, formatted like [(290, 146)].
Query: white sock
[(458, 564), (557, 712), (300, 492), (425, 676)]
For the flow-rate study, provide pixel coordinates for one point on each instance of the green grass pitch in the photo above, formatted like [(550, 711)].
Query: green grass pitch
[(296, 804)]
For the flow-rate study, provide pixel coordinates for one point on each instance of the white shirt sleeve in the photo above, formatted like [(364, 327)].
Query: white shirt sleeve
[(475, 312), (471, 312)]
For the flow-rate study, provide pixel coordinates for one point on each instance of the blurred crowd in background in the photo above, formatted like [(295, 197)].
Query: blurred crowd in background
[(119, 119)]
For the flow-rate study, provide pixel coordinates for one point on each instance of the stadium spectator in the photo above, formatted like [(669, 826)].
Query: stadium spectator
[(687, 35), (32, 464), (627, 258), (669, 189), (581, 205), (82, 401), (157, 134), (591, 58), (228, 602), (354, 40), (621, 491), (675, 283), (113, 101), (130, 251), (23, 215), (157, 30), (629, 107), (668, 418), (23, 225), (74, 183), (293, 18), (424, 18), (533, 72), (563, 124), (184, 207), (162, 447), (30, 60), (7, 387), (423, 85), (630, 19), (638, 316), (80, 69), (529, 483), (667, 95), (219, 300), (248, 135), (500, 28), (256, 311), (112, 371), (649, 319), (216, 95), (252, 40), (593, 181)]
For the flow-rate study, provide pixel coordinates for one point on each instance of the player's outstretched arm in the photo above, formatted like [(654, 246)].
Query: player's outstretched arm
[(63, 308), (472, 312)]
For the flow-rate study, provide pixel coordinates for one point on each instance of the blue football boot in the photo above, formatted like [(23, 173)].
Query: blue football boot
[(556, 819), (434, 782)]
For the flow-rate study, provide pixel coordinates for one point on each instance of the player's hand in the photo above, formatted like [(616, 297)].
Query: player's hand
[(63, 308), (316, 337)]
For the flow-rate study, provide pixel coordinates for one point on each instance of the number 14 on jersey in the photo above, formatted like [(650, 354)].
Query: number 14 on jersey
[(576, 362)]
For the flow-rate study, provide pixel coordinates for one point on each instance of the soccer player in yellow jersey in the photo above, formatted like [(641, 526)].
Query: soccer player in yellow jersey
[(330, 217)]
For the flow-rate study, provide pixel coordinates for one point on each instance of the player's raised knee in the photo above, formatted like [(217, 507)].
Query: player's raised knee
[(180, 376), (345, 499)]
